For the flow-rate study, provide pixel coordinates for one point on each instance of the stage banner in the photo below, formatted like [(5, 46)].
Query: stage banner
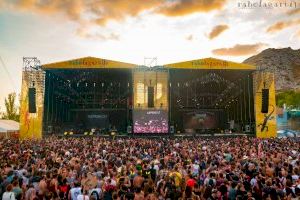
[(210, 63), (88, 63), (265, 122), (31, 124)]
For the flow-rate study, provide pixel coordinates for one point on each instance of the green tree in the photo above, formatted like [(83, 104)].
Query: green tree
[(11, 110), (290, 98)]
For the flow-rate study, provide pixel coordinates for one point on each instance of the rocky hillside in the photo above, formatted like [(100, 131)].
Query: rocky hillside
[(285, 62)]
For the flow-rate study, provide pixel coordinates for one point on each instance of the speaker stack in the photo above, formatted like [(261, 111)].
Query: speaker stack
[(32, 100), (265, 101), (150, 97)]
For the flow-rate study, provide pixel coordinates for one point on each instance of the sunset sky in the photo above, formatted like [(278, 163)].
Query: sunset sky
[(129, 30)]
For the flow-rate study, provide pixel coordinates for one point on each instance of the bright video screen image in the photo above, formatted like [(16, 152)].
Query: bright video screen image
[(150, 121)]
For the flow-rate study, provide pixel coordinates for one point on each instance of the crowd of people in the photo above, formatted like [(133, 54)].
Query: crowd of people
[(92, 168)]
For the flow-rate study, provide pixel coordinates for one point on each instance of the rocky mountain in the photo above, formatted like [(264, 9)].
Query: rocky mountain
[(286, 64)]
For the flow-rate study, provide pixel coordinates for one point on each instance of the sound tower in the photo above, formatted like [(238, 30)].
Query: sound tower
[(32, 100), (265, 101), (150, 97)]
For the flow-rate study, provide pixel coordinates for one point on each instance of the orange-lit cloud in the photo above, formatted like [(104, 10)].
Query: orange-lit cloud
[(119, 9), (217, 30), (84, 33), (298, 34), (189, 37), (99, 12), (70, 8), (294, 12), (239, 50), (282, 25), (2, 4), (102, 11), (98, 36), (185, 7)]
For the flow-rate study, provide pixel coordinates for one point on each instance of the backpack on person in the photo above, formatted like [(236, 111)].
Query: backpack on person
[(107, 195), (95, 195), (211, 182)]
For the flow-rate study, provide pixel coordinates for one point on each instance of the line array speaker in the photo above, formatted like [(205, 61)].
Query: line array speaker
[(265, 101), (150, 97), (32, 100)]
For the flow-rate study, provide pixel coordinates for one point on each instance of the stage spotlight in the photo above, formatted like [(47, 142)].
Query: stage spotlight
[(112, 133), (91, 133), (86, 133), (71, 133), (66, 133)]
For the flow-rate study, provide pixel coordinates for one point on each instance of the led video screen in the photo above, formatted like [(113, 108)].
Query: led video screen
[(100, 119), (201, 120), (150, 121), (91, 119)]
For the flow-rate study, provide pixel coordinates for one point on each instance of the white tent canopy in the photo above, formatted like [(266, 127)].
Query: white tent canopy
[(9, 126)]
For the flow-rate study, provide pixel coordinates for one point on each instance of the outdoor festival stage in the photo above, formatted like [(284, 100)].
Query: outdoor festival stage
[(205, 97)]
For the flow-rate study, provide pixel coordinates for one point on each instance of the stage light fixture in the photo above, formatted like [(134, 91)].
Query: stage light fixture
[(112, 133)]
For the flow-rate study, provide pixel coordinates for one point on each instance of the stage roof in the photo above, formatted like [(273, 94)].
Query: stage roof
[(210, 63), (95, 63), (88, 63)]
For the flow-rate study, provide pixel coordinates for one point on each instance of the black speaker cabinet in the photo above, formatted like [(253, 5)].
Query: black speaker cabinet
[(265, 101), (32, 100), (150, 97)]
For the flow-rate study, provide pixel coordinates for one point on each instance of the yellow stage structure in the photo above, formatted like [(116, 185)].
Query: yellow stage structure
[(157, 79)]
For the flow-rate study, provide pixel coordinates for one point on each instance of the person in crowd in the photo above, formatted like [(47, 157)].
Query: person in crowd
[(74, 192), (98, 168), (17, 190), (84, 195), (9, 194)]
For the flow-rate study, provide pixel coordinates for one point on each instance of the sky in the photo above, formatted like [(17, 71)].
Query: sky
[(130, 30)]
